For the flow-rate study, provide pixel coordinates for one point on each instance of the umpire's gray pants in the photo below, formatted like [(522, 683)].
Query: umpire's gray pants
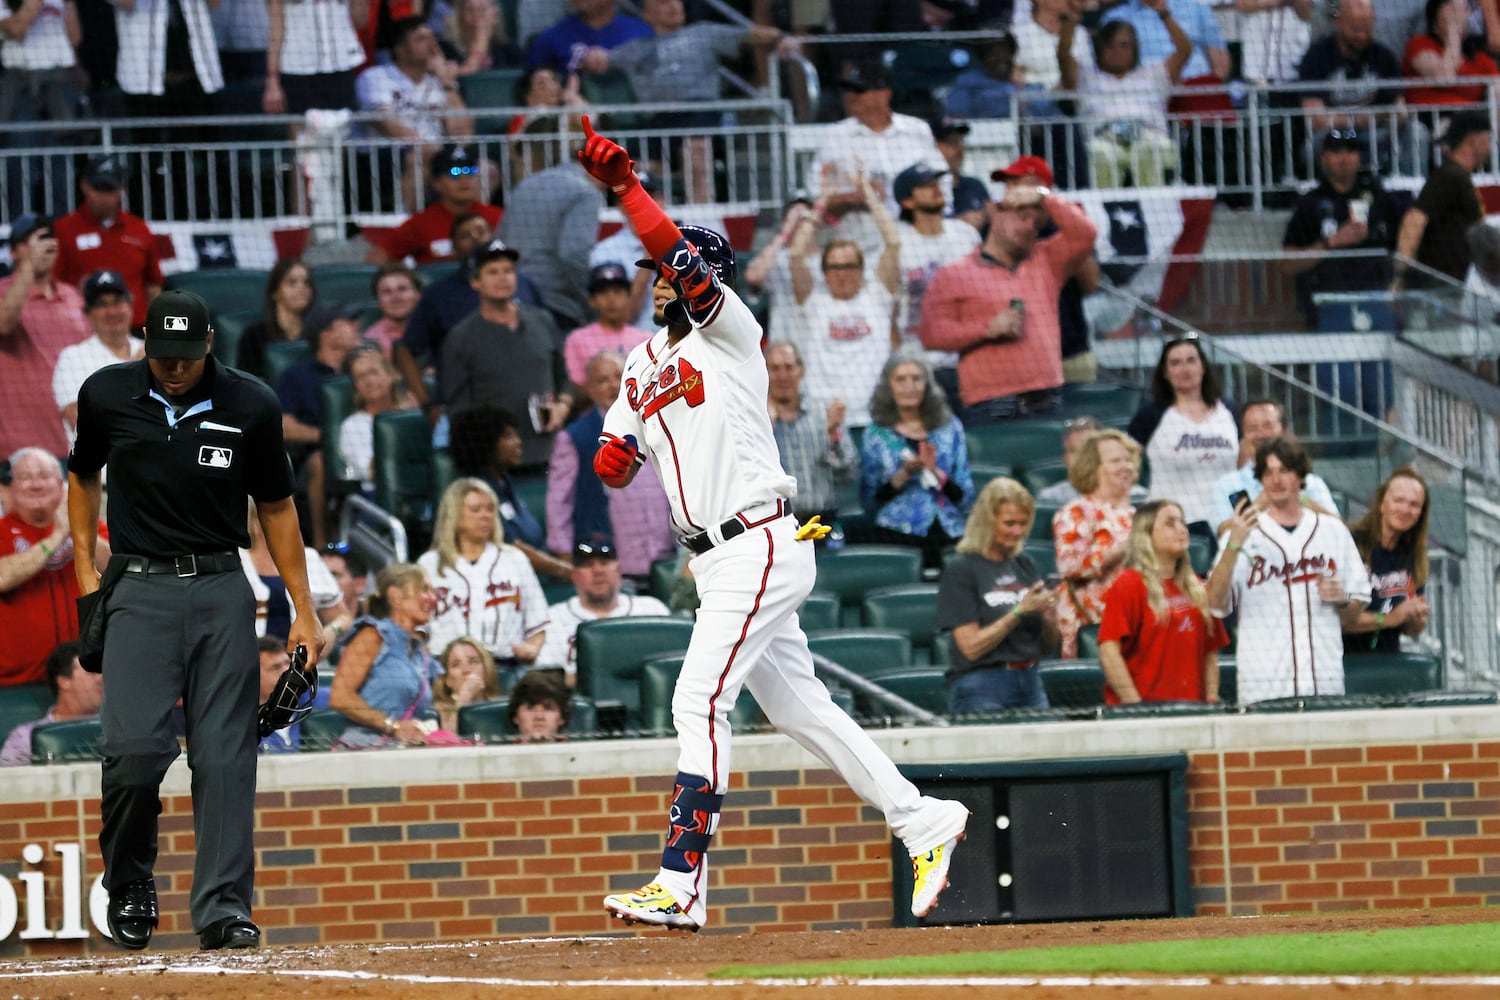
[(190, 638)]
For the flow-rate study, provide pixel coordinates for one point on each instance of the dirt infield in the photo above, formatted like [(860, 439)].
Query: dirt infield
[(643, 965)]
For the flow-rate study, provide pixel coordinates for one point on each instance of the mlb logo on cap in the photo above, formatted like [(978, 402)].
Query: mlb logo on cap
[(177, 326), (175, 323)]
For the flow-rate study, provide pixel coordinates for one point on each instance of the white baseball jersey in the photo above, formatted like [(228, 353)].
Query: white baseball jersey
[(1290, 642), (1187, 457), (495, 599), (697, 409), (564, 618)]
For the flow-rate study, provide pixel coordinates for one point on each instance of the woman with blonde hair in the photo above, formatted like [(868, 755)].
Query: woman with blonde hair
[(384, 681), (377, 389), (993, 601), (1090, 532), (485, 587), (1158, 639), (1392, 540), (468, 676)]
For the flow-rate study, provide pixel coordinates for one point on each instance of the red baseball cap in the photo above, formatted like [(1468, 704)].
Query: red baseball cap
[(1026, 166)]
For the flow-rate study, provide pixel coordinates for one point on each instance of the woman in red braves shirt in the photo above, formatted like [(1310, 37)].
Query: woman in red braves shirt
[(1158, 640)]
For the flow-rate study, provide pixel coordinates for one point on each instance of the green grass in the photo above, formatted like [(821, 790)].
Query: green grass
[(1451, 950)]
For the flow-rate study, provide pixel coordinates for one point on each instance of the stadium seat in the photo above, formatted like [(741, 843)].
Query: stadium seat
[(922, 686), (942, 650), (862, 651), (1044, 555), (853, 571), (1100, 400), (1040, 475), (1018, 443), (1201, 555), (404, 467), (60, 742), (910, 609), (532, 491), (611, 652), (1391, 674), (983, 472), (1073, 684), (338, 403), (491, 88), (489, 721), (664, 578), (229, 328), (228, 289), (435, 270), (1041, 526), (322, 729), (344, 284), (1088, 642), (23, 703), (1229, 679), (280, 357), (820, 611), (659, 680), (443, 474)]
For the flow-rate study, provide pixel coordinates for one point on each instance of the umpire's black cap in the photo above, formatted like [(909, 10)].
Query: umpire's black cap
[(177, 326)]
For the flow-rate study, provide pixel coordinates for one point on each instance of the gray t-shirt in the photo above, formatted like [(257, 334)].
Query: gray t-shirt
[(677, 65), (488, 363), (976, 588)]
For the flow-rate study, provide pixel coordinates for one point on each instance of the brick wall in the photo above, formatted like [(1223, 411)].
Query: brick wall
[(1318, 812)]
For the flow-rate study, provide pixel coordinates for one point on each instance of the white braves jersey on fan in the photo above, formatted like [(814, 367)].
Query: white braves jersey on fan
[(1290, 642), (495, 599), (698, 411), (559, 650)]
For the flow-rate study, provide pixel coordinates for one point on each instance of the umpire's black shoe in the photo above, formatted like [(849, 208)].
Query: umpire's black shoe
[(230, 932), (132, 914)]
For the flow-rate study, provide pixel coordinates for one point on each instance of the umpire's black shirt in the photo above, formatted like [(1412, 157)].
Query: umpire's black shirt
[(179, 475)]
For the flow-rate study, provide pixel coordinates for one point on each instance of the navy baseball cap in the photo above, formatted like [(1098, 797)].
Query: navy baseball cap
[(610, 275), (100, 284), (586, 551), (863, 76), (22, 226), (177, 326), (454, 161), (943, 127), (913, 177), (495, 249), (107, 172)]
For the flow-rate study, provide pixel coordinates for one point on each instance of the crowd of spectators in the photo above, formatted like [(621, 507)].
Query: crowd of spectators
[(908, 307)]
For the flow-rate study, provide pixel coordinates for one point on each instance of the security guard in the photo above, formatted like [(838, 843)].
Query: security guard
[(186, 440)]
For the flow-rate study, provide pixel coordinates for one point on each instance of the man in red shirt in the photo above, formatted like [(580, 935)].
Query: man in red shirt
[(39, 316), (100, 235), (38, 588), (424, 236)]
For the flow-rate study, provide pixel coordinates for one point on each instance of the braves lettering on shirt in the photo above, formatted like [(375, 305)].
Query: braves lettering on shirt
[(668, 385), (1205, 445), (1305, 570), (497, 599), (1390, 589), (851, 327)]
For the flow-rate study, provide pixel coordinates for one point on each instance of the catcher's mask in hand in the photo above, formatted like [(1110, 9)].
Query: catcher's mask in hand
[(292, 699)]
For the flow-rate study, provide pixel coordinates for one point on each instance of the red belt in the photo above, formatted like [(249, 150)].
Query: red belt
[(1021, 664)]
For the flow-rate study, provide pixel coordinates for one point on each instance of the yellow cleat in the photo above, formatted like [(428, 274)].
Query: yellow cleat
[(651, 904)]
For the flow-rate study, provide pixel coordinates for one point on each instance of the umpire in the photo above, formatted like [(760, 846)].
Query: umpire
[(187, 439)]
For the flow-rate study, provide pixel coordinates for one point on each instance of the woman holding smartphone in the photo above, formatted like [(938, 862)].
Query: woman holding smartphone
[(1158, 641)]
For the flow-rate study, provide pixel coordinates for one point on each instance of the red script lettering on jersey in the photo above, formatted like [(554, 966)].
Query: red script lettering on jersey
[(680, 381)]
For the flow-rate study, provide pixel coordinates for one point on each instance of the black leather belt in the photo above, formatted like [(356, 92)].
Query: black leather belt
[(733, 527), (184, 566)]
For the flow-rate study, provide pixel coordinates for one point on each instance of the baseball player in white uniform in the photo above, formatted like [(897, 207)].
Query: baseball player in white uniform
[(693, 403), (1297, 580)]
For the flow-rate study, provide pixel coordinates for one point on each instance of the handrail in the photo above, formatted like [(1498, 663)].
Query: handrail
[(875, 692), (359, 512)]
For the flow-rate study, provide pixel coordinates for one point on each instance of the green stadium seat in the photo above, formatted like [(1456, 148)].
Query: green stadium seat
[(435, 270), (556, 591), (228, 289), (280, 357), (984, 472), (863, 651), (659, 680), (229, 328), (61, 742), (922, 686), (820, 611), (1018, 443), (1229, 679), (1100, 400), (322, 729), (1088, 642), (344, 284), (1073, 684), (942, 650), (532, 491), (443, 474), (486, 89), (338, 403), (490, 720), (1044, 555), (1041, 525), (853, 571), (910, 609), (23, 703), (1391, 674), (1040, 475), (611, 652), (404, 467), (664, 578)]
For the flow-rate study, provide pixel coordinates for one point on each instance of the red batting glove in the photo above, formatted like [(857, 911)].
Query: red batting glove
[(606, 160), (615, 459)]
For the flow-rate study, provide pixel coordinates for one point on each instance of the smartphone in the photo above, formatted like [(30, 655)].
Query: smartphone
[(1236, 498), (1053, 581)]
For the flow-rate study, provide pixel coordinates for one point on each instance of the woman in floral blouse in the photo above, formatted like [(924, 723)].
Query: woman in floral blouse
[(914, 477), (1090, 533)]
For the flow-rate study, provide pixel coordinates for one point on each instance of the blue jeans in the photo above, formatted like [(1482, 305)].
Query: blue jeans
[(990, 689), (1024, 406)]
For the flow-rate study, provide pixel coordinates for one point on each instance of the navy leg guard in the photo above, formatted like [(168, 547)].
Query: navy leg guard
[(693, 819)]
